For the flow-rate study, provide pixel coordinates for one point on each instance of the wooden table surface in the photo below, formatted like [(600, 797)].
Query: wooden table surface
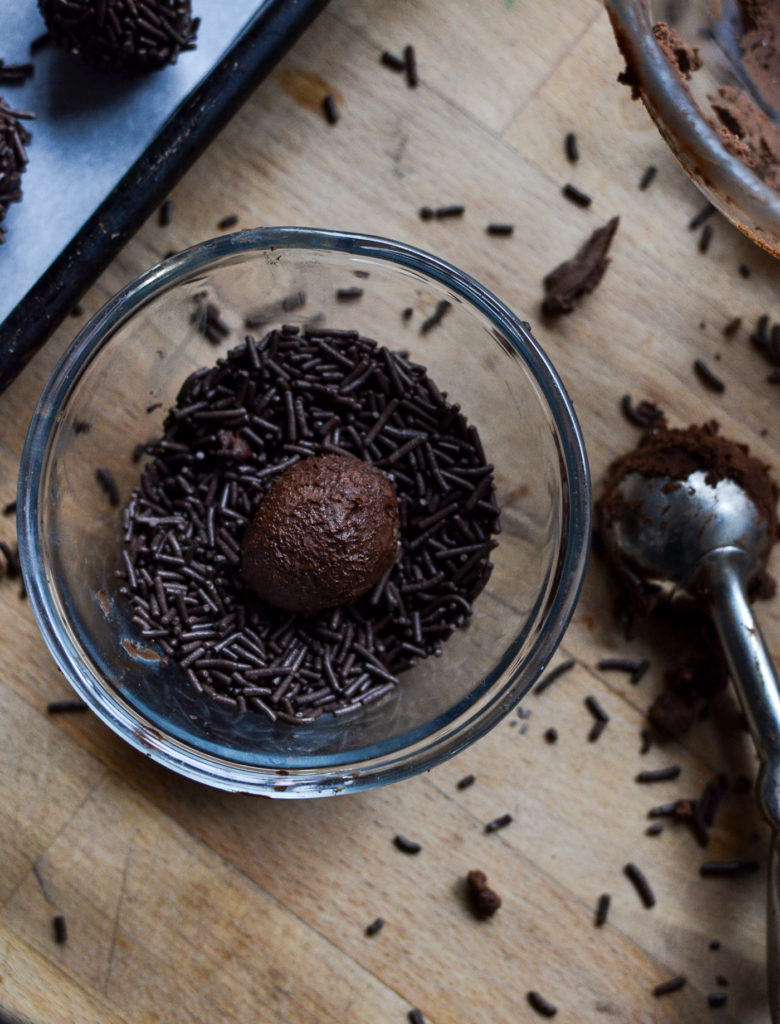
[(185, 904)]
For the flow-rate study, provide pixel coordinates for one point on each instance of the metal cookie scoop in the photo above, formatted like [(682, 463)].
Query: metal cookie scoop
[(707, 541)]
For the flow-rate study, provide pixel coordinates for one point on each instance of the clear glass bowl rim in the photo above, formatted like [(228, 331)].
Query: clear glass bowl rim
[(270, 781), (734, 189)]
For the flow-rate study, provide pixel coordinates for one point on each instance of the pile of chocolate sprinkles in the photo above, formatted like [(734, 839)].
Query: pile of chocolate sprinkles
[(126, 37), (13, 157), (234, 428)]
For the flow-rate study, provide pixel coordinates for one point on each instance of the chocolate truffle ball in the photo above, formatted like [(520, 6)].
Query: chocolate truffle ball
[(13, 159), (127, 37), (325, 533)]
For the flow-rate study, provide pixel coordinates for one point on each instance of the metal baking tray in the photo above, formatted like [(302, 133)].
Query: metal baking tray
[(105, 152)]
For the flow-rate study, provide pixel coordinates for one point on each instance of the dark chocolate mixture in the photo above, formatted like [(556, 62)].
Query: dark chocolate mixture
[(13, 158)]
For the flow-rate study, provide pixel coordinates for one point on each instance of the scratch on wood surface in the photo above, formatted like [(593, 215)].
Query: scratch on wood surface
[(117, 915)]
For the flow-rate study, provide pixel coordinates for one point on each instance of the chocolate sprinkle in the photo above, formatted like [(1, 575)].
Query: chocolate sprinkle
[(348, 294), (571, 145), (447, 212), (330, 109), (635, 669), (466, 781), (415, 1016), (647, 741), (596, 709), (596, 730), (648, 177), (15, 74), (263, 407), (375, 927), (125, 37), (551, 735), (497, 823), (727, 868), (602, 909), (165, 213), (715, 1000), (555, 673), (705, 238), (707, 377), (574, 195), (9, 509), (744, 270), (406, 845), (731, 328), (392, 61), (228, 222), (714, 945), (667, 987), (13, 158), (645, 414), (542, 1006), (704, 214), (410, 64), (64, 707), (659, 774), (106, 480), (500, 229), (443, 307), (655, 829), (641, 884), (60, 929)]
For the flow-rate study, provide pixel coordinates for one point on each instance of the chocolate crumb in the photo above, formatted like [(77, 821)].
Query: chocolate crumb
[(406, 845), (731, 328), (375, 927), (484, 901), (551, 735), (542, 1006), (60, 929), (667, 987), (645, 414), (568, 283), (602, 909), (576, 196)]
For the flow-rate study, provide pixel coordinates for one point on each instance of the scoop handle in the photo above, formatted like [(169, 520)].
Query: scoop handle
[(755, 680)]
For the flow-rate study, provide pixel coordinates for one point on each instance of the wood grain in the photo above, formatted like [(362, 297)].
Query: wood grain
[(185, 904)]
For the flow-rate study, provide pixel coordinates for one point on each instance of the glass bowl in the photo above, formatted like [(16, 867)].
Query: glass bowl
[(682, 111), (111, 390)]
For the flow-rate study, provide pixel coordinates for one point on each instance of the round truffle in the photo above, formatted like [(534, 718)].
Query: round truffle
[(324, 534), (13, 159), (126, 37)]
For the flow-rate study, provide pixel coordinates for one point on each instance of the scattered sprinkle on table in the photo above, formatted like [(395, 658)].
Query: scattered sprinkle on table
[(641, 884), (576, 196), (728, 868), (673, 985), (348, 294), (392, 61), (644, 414), (330, 109), (500, 229), (707, 377), (602, 909), (715, 1000), (554, 673), (596, 709), (659, 774), (466, 781), (60, 929), (635, 669), (415, 1016), (551, 735), (655, 829), (698, 219), (406, 845), (647, 740), (542, 1006), (165, 213), (572, 147), (410, 63), (9, 509), (375, 927), (648, 177), (731, 328), (744, 270), (443, 307), (705, 238), (64, 707), (15, 74), (501, 822), (228, 222)]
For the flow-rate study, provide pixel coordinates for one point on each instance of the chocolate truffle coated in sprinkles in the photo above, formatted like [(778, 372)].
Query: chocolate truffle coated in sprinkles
[(300, 395), (125, 37)]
